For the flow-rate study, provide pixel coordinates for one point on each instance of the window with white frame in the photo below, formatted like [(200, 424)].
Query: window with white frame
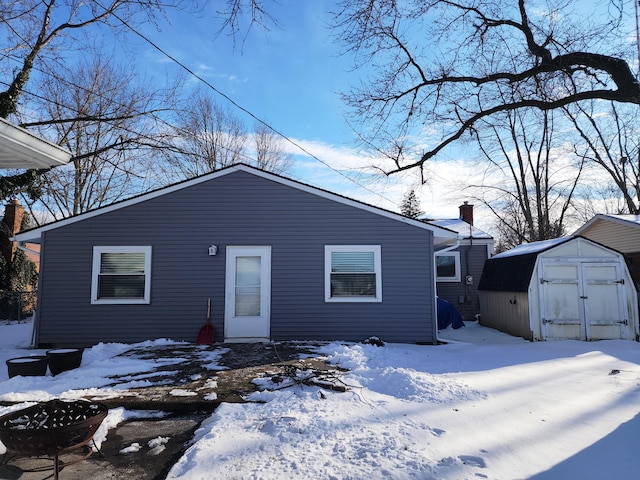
[(448, 267), (121, 275), (353, 273)]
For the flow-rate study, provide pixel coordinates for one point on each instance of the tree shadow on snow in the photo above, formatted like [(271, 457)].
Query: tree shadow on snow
[(614, 456)]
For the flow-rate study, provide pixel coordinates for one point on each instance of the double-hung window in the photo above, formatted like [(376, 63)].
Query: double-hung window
[(353, 273), (121, 275), (448, 267)]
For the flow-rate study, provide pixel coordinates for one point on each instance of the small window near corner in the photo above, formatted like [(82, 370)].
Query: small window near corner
[(353, 273), (121, 275), (448, 267)]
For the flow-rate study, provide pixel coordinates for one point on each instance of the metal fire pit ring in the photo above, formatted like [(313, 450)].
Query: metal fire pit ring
[(51, 428)]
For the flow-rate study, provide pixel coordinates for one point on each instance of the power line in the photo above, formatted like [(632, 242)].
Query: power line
[(240, 107), (151, 114)]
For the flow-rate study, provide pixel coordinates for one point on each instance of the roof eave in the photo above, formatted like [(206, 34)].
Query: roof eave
[(441, 235), (21, 149)]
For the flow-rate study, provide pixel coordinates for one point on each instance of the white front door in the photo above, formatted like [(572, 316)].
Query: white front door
[(248, 294)]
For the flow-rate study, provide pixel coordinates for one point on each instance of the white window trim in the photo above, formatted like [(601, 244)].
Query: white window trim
[(456, 278), (329, 249), (97, 251)]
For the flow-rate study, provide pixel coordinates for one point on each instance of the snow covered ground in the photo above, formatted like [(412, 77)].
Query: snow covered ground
[(485, 405)]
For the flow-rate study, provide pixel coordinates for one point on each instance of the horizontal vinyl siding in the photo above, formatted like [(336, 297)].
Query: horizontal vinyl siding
[(472, 258), (625, 239), (237, 209)]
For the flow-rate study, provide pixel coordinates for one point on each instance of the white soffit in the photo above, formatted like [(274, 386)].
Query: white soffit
[(20, 148)]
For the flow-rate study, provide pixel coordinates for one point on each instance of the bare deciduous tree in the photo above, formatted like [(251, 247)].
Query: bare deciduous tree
[(44, 32), (270, 152), (208, 136), (529, 189), (104, 116), (609, 141), (441, 66), (36, 28)]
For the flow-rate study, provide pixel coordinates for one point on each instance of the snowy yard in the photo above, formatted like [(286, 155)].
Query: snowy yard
[(485, 406)]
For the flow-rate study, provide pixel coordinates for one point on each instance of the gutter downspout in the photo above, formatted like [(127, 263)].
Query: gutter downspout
[(435, 283), (21, 246)]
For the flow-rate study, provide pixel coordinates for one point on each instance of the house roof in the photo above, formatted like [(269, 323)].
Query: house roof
[(631, 221), (441, 235), (20, 148), (621, 232), (462, 228)]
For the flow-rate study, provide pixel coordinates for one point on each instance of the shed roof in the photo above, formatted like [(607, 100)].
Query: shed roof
[(441, 235), (511, 271), (20, 148)]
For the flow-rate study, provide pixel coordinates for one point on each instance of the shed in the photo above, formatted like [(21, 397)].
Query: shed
[(565, 288), (279, 259)]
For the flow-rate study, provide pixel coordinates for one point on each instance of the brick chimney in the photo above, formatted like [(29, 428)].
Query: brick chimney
[(10, 225), (466, 213)]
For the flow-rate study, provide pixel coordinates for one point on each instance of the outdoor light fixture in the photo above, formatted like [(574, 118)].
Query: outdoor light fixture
[(213, 250)]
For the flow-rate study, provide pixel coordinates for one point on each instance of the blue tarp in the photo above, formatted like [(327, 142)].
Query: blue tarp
[(448, 315)]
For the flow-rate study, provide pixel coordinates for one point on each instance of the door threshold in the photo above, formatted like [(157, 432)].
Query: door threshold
[(247, 340)]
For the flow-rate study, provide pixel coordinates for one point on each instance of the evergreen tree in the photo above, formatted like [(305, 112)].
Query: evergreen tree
[(410, 206), (18, 283)]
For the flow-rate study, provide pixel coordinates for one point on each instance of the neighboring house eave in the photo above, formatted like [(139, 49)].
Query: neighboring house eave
[(20, 149), (466, 242), (631, 221), (441, 235)]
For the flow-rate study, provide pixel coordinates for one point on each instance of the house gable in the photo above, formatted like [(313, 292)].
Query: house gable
[(441, 234), (620, 232), (239, 208)]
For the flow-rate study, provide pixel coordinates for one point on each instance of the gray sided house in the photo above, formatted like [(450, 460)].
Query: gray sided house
[(280, 260), (459, 266), (565, 288)]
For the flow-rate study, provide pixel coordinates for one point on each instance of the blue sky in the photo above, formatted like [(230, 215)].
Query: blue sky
[(290, 77)]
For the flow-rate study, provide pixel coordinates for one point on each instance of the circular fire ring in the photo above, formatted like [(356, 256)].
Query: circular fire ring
[(51, 428)]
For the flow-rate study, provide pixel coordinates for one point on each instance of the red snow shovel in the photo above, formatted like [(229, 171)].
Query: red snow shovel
[(205, 336)]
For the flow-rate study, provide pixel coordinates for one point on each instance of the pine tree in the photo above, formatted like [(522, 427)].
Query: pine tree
[(410, 206)]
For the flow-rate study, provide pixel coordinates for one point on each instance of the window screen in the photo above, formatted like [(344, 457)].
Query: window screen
[(121, 274), (352, 273)]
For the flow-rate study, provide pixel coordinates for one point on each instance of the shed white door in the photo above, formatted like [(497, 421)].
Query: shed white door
[(248, 294), (583, 301)]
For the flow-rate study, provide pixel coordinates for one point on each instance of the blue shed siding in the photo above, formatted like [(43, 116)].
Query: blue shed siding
[(235, 209)]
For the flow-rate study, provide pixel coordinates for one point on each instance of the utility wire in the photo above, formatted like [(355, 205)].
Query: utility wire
[(240, 107), (151, 139)]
